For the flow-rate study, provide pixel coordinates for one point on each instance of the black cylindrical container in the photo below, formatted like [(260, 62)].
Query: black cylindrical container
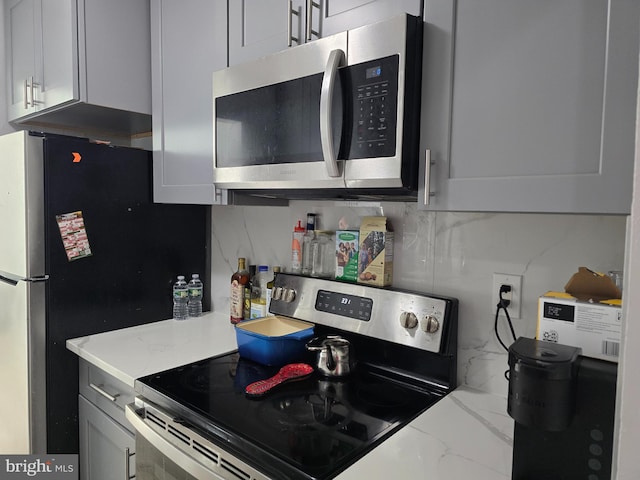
[(542, 385), (563, 405)]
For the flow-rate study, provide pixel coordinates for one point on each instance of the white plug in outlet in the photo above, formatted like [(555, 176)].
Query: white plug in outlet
[(515, 282)]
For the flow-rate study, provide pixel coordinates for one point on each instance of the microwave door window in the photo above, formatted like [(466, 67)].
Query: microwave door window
[(276, 124)]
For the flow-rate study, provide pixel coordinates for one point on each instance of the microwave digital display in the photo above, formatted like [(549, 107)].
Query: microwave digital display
[(373, 72)]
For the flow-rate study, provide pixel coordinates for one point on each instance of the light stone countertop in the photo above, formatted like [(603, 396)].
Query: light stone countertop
[(468, 434), (134, 352)]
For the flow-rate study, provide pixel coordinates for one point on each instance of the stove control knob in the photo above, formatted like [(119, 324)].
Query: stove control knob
[(277, 293), (408, 320), (430, 324), (289, 295)]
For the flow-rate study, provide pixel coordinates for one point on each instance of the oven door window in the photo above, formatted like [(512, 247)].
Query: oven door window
[(276, 124), (152, 464)]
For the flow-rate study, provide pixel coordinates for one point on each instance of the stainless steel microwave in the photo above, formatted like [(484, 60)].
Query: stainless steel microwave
[(334, 118)]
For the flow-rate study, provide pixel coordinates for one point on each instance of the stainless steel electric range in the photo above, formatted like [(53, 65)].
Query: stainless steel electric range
[(196, 421)]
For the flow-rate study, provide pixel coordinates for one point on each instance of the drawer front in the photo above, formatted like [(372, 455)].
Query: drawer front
[(106, 392)]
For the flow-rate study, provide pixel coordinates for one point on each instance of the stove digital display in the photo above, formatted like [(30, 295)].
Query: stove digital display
[(344, 305)]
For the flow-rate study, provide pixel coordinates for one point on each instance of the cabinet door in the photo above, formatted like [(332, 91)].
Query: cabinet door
[(42, 68), (106, 448), (340, 15), (259, 27), (115, 55), (20, 38), (57, 55), (188, 43), (530, 106)]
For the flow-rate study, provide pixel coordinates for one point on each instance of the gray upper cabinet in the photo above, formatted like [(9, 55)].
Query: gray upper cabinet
[(27, 48), (261, 27), (79, 64), (189, 42), (530, 106)]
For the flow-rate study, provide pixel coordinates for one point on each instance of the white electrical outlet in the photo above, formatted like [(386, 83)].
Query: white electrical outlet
[(515, 282)]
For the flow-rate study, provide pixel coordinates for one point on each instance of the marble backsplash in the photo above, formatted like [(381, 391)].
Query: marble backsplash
[(452, 254)]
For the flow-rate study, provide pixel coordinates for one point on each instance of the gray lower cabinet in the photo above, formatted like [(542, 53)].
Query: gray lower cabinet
[(107, 441), (106, 447), (189, 42), (529, 106), (80, 64), (261, 27)]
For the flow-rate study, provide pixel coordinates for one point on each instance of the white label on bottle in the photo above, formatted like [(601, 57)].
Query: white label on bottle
[(236, 299)]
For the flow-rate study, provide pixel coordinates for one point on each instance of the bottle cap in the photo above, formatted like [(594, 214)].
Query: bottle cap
[(195, 275), (311, 221), (263, 268), (299, 227)]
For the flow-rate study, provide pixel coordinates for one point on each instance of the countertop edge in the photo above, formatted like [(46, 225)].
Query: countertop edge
[(467, 434)]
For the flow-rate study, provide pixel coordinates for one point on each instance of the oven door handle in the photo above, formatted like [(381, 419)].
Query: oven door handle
[(180, 458), (336, 58)]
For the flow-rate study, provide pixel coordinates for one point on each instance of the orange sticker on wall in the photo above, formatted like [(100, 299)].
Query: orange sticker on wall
[(74, 235)]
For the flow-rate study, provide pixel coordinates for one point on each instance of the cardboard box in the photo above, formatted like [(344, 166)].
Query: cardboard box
[(588, 314), (347, 244), (375, 258)]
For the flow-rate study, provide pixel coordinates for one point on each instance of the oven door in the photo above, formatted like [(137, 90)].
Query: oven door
[(166, 448)]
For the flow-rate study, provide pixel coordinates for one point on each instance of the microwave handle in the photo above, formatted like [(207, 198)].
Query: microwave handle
[(336, 58)]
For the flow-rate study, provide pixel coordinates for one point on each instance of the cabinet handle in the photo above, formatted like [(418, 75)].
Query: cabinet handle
[(26, 93), (427, 177), (290, 36), (33, 104), (33, 96), (104, 393), (310, 31), (127, 464)]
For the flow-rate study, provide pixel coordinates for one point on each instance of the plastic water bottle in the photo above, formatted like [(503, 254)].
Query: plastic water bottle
[(195, 296), (180, 299), (259, 296)]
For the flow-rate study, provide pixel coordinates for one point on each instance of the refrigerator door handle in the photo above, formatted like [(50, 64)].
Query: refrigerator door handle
[(13, 279)]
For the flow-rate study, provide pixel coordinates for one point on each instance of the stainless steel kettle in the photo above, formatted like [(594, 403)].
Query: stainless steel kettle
[(334, 355)]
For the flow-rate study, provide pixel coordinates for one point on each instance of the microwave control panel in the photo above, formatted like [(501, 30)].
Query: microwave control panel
[(374, 93)]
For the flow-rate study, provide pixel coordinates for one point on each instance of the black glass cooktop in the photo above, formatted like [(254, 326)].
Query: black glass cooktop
[(311, 428)]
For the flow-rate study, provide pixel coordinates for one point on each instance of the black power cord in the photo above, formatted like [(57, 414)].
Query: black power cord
[(502, 305)]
